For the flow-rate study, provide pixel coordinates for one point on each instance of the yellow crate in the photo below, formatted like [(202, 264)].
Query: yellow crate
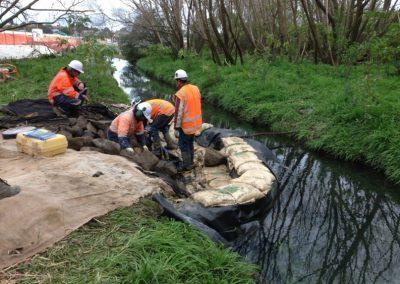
[(36, 147)]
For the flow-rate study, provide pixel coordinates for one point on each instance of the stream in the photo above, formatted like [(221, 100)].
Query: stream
[(334, 221)]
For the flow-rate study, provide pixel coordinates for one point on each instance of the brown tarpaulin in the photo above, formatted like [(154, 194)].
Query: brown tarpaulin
[(60, 194)]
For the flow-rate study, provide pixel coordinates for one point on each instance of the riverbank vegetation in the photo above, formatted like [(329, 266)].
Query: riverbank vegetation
[(328, 71), (348, 111), (128, 245)]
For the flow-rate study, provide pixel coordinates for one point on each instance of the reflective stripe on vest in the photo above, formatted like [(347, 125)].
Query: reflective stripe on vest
[(192, 117)]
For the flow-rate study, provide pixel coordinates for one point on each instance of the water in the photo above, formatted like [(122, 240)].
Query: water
[(334, 221)]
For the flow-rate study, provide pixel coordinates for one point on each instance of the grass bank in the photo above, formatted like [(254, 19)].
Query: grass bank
[(351, 112), (36, 74), (128, 245)]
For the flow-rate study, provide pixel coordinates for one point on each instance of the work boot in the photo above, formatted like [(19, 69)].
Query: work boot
[(6, 190), (186, 164), (171, 145)]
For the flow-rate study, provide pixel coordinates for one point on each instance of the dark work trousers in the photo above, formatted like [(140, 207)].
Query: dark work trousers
[(67, 104), (186, 143), (160, 123)]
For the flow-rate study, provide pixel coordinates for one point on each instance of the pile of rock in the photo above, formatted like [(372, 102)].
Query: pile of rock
[(90, 135)]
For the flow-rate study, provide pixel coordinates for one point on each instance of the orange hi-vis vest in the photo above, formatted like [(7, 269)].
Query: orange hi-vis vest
[(62, 83), (161, 107), (190, 99), (126, 125)]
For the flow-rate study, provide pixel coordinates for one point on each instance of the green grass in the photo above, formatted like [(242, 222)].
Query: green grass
[(37, 73), (350, 112), (130, 245)]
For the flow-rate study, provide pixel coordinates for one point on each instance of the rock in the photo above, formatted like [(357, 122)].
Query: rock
[(101, 134), (94, 149), (72, 121), (145, 159), (6, 190), (101, 124), (75, 130), (97, 174), (65, 133), (107, 146), (166, 167), (91, 128), (90, 134), (77, 143), (81, 122), (213, 158)]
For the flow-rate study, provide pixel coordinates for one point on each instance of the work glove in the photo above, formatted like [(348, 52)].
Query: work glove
[(176, 133), (129, 149)]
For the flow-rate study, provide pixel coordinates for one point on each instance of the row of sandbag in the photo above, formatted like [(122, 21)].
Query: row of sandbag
[(254, 182)]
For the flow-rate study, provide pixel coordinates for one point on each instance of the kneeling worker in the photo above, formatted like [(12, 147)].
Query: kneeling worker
[(129, 123), (66, 91), (162, 113), (188, 117)]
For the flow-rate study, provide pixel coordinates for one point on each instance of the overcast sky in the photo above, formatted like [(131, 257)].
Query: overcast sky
[(107, 6)]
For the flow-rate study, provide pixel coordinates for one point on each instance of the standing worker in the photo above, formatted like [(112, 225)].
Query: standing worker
[(188, 118), (162, 113), (66, 91), (130, 123)]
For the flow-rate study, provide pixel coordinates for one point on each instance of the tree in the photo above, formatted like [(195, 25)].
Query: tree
[(15, 14)]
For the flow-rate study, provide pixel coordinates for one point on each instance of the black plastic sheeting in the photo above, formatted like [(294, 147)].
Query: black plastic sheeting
[(29, 111), (227, 225)]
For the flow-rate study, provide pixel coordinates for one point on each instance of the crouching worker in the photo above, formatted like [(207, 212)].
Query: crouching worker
[(130, 123), (162, 113), (66, 91)]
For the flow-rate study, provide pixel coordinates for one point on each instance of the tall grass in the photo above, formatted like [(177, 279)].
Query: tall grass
[(351, 112), (130, 245)]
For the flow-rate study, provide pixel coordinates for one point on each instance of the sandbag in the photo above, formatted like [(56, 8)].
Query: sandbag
[(237, 148), (238, 159), (230, 194), (262, 180), (211, 198), (228, 141), (250, 166), (242, 193)]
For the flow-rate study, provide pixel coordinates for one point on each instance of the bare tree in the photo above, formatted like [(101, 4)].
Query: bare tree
[(15, 14)]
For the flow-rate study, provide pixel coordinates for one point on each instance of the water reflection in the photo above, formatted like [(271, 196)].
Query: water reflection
[(334, 222)]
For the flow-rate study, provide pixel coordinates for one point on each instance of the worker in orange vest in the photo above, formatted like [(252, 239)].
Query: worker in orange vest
[(130, 123), (188, 117), (66, 91), (162, 113)]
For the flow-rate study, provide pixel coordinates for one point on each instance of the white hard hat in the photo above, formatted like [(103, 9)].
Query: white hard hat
[(180, 74), (145, 108), (77, 65)]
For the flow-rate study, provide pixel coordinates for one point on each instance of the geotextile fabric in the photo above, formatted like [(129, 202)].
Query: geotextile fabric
[(60, 194)]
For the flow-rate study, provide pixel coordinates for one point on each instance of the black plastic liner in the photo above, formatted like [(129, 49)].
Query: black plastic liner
[(36, 111), (227, 225)]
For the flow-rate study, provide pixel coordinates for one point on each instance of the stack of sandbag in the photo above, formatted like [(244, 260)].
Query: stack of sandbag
[(254, 182)]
